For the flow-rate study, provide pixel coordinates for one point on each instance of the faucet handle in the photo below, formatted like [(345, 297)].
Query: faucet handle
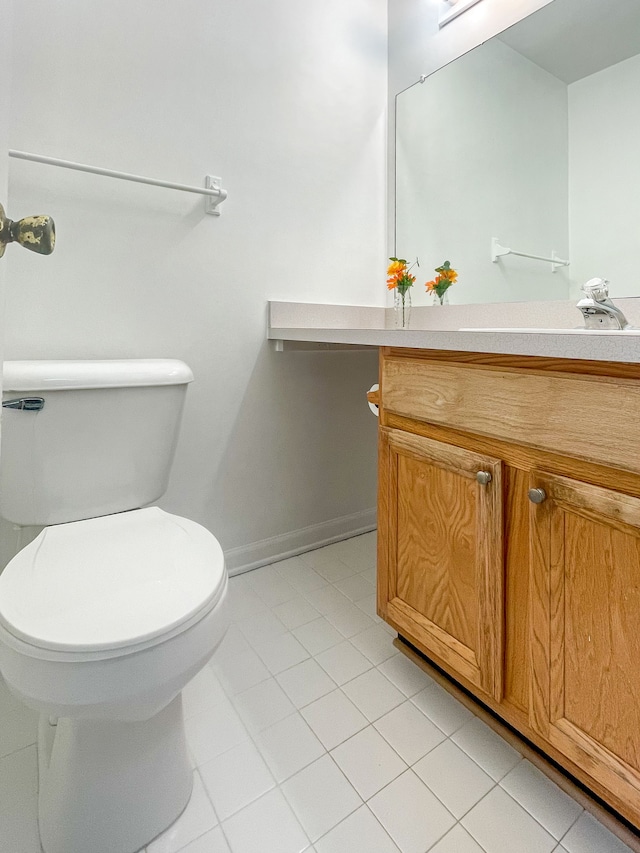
[(596, 288)]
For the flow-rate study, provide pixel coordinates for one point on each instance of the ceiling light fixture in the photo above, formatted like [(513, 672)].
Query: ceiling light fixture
[(450, 9)]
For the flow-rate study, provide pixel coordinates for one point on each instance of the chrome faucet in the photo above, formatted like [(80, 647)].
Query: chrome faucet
[(598, 310)]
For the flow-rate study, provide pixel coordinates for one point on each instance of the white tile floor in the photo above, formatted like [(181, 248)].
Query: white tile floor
[(310, 732)]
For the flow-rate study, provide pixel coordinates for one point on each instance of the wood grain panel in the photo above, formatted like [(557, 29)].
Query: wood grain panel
[(564, 414), (519, 456), (498, 361), (540, 611), (516, 543), (437, 545), (490, 578), (620, 781), (385, 525), (585, 617), (445, 575), (460, 658), (602, 641)]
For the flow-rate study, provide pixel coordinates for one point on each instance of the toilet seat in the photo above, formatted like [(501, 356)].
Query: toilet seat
[(109, 586)]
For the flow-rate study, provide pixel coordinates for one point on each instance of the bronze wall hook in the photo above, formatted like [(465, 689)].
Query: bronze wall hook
[(36, 233)]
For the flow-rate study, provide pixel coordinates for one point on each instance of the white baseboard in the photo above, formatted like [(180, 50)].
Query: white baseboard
[(266, 551)]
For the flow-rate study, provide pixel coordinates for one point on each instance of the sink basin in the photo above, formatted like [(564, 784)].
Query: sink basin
[(599, 332)]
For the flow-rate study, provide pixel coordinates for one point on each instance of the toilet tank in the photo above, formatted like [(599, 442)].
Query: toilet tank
[(103, 441)]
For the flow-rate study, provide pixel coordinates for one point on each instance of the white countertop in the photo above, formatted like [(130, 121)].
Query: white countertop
[(365, 327)]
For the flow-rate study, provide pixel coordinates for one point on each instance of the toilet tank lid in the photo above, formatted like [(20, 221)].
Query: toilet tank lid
[(106, 373)]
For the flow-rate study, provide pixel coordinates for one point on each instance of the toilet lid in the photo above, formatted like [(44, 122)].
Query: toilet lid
[(111, 582)]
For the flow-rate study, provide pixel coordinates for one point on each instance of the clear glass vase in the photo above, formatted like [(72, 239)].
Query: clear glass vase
[(441, 300), (402, 309)]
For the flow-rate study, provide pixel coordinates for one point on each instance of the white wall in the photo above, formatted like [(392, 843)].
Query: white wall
[(5, 80), (287, 102), (604, 141), (417, 46), (482, 153)]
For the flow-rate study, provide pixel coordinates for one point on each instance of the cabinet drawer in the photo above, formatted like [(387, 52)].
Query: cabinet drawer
[(588, 417)]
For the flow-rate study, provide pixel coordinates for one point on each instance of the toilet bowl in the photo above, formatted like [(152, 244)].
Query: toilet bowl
[(102, 623), (113, 608)]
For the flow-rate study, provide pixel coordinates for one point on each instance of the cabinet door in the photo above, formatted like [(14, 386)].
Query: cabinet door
[(441, 553), (585, 628)]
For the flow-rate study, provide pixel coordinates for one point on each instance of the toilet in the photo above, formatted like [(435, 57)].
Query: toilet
[(116, 604)]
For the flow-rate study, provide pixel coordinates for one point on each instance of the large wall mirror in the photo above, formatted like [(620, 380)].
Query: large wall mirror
[(529, 142)]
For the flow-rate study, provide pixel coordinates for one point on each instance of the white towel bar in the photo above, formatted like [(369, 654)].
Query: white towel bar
[(214, 194), (497, 251)]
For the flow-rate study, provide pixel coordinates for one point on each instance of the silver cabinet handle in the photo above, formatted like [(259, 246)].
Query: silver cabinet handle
[(537, 496), (25, 404), (483, 477)]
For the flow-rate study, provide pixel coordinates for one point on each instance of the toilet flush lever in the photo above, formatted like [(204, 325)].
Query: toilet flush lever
[(25, 404)]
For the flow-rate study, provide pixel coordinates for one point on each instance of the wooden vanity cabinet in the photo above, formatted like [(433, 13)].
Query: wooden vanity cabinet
[(533, 607)]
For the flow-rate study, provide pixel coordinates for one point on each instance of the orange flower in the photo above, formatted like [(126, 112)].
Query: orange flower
[(395, 271), (399, 274), (402, 279), (448, 275), (445, 278), (396, 267)]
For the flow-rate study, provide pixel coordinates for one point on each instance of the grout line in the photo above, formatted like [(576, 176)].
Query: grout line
[(251, 736), (580, 814), (366, 806), (307, 595), (458, 819), (599, 812), (371, 724), (195, 771), (496, 783), (525, 809), (522, 806), (277, 785), (362, 802)]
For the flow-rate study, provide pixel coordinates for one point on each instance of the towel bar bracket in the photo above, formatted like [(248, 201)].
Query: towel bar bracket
[(211, 202)]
